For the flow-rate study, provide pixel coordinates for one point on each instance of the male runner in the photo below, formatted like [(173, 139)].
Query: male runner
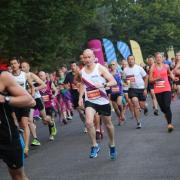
[(11, 145), (137, 78), (94, 77), (22, 114)]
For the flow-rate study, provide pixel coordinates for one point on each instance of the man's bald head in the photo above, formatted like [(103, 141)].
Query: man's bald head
[(25, 66), (88, 56), (42, 75)]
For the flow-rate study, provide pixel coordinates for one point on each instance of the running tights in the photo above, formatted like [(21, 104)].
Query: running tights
[(164, 101)]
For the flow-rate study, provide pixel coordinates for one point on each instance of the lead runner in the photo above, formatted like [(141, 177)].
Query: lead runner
[(95, 78)]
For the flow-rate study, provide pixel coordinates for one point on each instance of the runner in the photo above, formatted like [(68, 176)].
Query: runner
[(117, 93), (162, 89), (48, 94), (72, 83), (94, 78), (39, 84), (64, 98), (124, 64), (150, 88), (22, 113), (176, 72), (11, 144), (137, 79)]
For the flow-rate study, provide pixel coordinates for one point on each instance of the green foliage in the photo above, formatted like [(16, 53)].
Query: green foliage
[(51, 32)]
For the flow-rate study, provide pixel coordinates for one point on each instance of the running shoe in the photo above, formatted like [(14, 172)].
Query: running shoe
[(112, 152), (94, 151), (156, 112), (69, 118), (170, 128), (138, 125), (35, 142), (145, 111), (53, 130), (51, 138)]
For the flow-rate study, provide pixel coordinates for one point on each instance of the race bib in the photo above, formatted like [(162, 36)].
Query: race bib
[(160, 84), (46, 98), (130, 78), (115, 89), (93, 94)]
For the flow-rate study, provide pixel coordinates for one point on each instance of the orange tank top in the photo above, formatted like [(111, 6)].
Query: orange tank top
[(161, 85)]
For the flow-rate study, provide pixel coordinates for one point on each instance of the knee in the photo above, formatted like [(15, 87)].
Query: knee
[(89, 124)]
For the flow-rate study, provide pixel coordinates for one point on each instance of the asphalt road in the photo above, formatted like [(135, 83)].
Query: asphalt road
[(146, 154)]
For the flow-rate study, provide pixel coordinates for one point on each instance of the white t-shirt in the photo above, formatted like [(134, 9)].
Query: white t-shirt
[(134, 75)]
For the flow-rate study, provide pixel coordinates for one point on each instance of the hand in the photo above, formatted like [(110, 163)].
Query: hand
[(2, 99)]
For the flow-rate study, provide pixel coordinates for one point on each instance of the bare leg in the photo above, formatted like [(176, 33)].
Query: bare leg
[(90, 112), (18, 174), (110, 129)]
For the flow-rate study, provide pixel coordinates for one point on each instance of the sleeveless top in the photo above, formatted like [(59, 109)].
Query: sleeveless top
[(8, 129), (46, 95), (21, 79), (161, 85), (118, 88), (93, 94)]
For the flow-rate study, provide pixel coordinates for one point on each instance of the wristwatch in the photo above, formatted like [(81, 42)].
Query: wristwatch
[(7, 99)]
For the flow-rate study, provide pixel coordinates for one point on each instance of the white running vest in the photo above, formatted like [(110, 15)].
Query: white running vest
[(93, 94), (21, 79)]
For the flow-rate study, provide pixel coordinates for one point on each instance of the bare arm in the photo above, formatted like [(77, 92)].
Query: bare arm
[(106, 74), (41, 84), (29, 80), (171, 75), (145, 81), (19, 96)]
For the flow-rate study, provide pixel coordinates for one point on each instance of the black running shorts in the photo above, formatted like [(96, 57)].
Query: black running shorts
[(139, 93), (104, 110), (39, 104), (21, 112), (13, 154)]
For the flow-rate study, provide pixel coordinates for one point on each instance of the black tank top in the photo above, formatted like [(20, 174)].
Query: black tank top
[(8, 129)]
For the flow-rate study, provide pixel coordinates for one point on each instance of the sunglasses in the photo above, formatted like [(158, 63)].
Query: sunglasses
[(112, 64)]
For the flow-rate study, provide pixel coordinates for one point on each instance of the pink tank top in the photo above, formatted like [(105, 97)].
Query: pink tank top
[(161, 85)]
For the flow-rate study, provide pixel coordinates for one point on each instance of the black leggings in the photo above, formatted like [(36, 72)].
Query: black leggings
[(164, 101)]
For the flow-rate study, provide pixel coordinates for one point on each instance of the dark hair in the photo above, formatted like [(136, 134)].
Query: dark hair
[(64, 65), (150, 56), (130, 56), (73, 62), (14, 58)]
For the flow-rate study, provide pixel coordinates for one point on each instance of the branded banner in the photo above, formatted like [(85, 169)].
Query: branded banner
[(109, 50), (170, 52), (123, 49), (136, 50), (96, 46)]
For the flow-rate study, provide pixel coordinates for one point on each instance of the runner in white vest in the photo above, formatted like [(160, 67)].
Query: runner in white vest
[(95, 78)]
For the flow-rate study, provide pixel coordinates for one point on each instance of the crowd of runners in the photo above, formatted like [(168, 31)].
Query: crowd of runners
[(91, 89)]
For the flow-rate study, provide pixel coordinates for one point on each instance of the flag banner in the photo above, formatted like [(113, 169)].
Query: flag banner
[(170, 52), (123, 49), (136, 50), (109, 50), (96, 46)]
